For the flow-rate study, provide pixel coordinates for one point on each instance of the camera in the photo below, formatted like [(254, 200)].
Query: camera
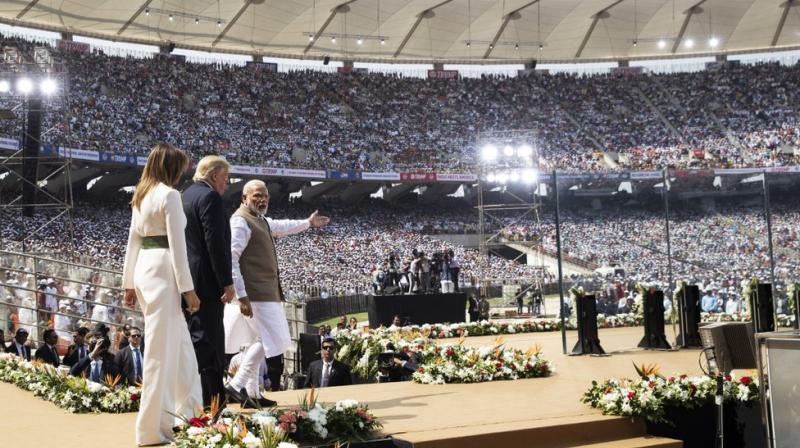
[(389, 372), (104, 341)]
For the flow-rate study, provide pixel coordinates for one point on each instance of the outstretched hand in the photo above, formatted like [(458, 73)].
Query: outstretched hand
[(317, 220)]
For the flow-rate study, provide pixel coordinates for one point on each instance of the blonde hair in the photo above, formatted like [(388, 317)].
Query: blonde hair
[(165, 164), (209, 165)]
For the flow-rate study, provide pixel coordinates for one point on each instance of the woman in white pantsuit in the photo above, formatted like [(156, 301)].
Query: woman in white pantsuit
[(156, 273)]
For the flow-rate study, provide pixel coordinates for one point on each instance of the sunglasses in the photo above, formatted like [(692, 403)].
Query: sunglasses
[(135, 336), (328, 347)]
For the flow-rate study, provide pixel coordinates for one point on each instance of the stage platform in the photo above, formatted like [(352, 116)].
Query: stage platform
[(542, 412)]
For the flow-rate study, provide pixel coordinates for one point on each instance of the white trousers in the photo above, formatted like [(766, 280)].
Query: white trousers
[(171, 380), (251, 371), (268, 323)]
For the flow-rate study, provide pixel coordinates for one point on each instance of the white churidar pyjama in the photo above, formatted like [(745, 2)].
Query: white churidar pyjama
[(171, 380)]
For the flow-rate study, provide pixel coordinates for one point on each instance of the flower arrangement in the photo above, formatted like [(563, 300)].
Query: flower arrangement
[(791, 289), (748, 286), (649, 395), (459, 364), (308, 423), (75, 394)]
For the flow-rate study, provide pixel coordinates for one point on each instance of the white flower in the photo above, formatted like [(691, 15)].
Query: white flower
[(346, 404), (94, 387), (264, 419), (194, 431), (286, 445), (215, 439), (250, 440)]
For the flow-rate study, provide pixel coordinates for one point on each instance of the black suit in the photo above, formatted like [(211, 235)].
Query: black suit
[(124, 360), (339, 375), (12, 348), (84, 367), (48, 355), (73, 355), (208, 243)]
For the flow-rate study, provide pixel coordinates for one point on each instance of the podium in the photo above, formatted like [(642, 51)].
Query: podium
[(654, 336), (588, 338)]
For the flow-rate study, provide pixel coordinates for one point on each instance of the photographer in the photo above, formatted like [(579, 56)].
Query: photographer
[(396, 366), (99, 362), (455, 267)]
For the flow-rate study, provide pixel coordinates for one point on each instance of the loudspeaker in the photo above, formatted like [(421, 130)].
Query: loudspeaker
[(170, 47), (761, 308), (689, 315), (308, 349), (654, 337), (730, 345), (796, 299), (588, 339), (530, 65), (31, 143), (326, 60)]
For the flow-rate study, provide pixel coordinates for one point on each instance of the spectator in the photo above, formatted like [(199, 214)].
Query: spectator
[(130, 360), (18, 346), (78, 349), (328, 371), (47, 352)]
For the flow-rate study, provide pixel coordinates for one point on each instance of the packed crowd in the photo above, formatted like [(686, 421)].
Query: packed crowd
[(736, 115)]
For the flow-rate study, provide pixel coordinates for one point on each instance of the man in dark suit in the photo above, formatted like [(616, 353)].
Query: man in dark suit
[(99, 362), (208, 243), (328, 371), (18, 346), (130, 359), (47, 352), (77, 350)]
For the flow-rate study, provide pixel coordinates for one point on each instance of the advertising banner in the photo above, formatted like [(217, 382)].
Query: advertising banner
[(418, 177), (380, 176)]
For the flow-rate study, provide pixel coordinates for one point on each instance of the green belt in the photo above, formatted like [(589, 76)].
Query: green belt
[(155, 242)]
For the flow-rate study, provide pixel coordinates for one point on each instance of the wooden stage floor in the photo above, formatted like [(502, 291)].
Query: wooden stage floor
[(423, 415)]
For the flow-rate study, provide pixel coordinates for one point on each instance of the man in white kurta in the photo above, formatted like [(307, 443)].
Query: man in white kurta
[(260, 313)]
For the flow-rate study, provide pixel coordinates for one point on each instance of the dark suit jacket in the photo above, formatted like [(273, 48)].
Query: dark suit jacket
[(12, 348), (46, 354), (71, 359), (340, 374), (84, 366), (208, 241), (124, 360)]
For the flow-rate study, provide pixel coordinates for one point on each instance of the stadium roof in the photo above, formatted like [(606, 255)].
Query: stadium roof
[(498, 31)]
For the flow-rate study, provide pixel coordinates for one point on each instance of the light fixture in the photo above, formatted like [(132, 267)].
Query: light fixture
[(491, 46), (529, 176), (311, 38), (383, 41), (468, 44), (516, 46), (713, 42), (360, 41), (25, 85), (508, 150), (541, 47), (689, 43), (502, 178), (48, 86), (171, 18), (525, 151), (196, 21), (147, 12), (5, 86), (635, 42), (490, 178), (662, 44), (514, 177), (219, 23), (333, 39), (489, 152)]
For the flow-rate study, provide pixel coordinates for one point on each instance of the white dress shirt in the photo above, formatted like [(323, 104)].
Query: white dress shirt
[(240, 237)]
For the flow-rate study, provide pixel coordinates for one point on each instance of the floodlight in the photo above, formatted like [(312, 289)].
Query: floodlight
[(689, 43), (333, 39), (713, 42), (529, 176), (514, 177), (662, 44), (25, 85), (48, 86), (360, 41), (508, 150), (489, 152), (525, 151), (5, 86), (502, 178), (490, 178)]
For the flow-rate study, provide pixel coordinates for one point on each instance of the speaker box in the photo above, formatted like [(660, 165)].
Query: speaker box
[(326, 60), (530, 65), (761, 308), (731, 344), (588, 338), (654, 337), (309, 347), (689, 315)]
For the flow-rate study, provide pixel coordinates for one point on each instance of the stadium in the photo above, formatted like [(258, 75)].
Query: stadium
[(576, 220)]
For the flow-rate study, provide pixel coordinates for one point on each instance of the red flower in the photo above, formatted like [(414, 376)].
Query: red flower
[(631, 395), (513, 367), (671, 379), (421, 370), (450, 352), (727, 378), (198, 422), (693, 388), (746, 380), (543, 368), (441, 334), (651, 384), (528, 367), (499, 365), (134, 397), (683, 377)]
